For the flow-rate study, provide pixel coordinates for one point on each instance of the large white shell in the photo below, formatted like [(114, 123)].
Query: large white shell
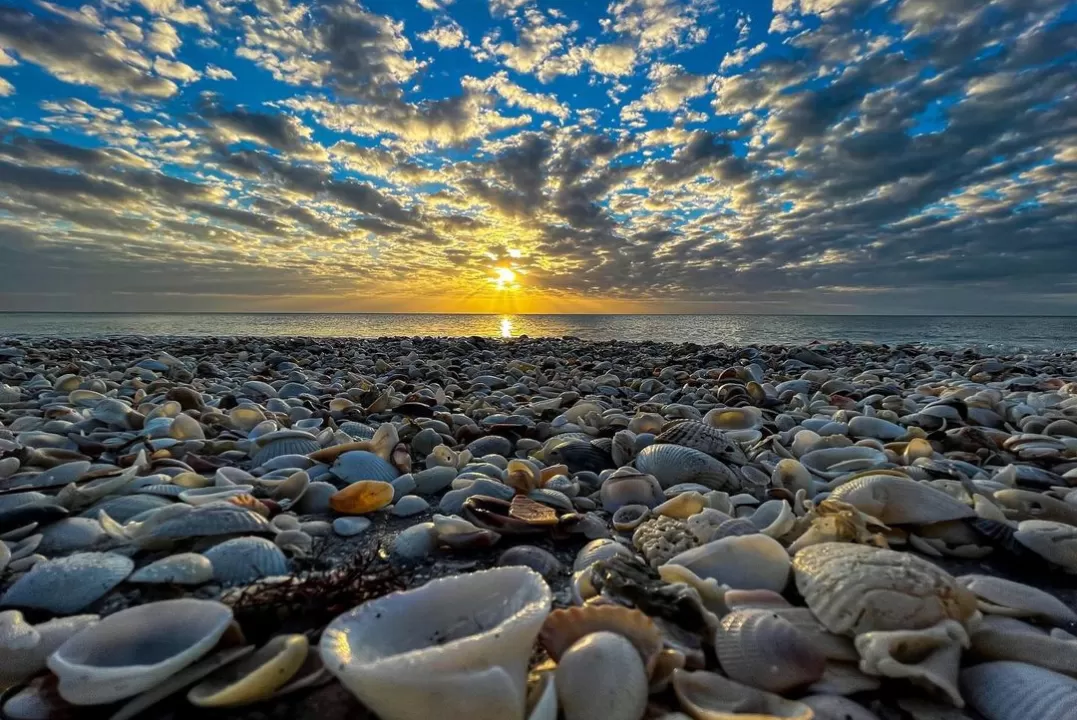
[(602, 676), (356, 465), (180, 569), (764, 650), (895, 500), (929, 657), (135, 649), (834, 462), (24, 647), (1053, 541), (855, 589), (66, 585), (1006, 597), (676, 464), (1017, 691), (456, 648), (747, 562), (246, 559)]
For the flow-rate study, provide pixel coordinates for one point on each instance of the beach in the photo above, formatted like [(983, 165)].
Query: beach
[(330, 527)]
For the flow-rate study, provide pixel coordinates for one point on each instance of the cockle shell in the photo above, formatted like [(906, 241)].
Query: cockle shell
[(1017, 691), (563, 628), (999, 596), (897, 500), (363, 465), (245, 559), (855, 589), (928, 657), (748, 562), (255, 677), (66, 585), (602, 676), (218, 518), (474, 631), (762, 649), (709, 696), (180, 569), (133, 650), (283, 442), (675, 464), (705, 438), (24, 647)]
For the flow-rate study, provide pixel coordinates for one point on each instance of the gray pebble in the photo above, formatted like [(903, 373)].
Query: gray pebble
[(348, 526), (410, 505)]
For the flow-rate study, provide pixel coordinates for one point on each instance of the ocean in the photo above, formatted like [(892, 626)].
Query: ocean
[(1037, 334)]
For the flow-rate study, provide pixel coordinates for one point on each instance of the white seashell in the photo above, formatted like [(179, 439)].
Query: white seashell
[(1053, 541), (133, 650), (928, 657), (255, 677), (675, 464), (70, 534), (1005, 597), (67, 585), (24, 647), (855, 589), (356, 465), (747, 562), (602, 675), (180, 569), (709, 696), (246, 559), (1016, 691), (600, 549), (764, 650), (1002, 638), (427, 653), (183, 679), (832, 463), (897, 500)]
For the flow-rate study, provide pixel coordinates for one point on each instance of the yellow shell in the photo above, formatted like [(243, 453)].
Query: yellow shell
[(362, 497), (250, 503), (255, 677), (191, 480)]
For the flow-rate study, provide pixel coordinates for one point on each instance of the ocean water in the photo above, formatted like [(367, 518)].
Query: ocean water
[(998, 333)]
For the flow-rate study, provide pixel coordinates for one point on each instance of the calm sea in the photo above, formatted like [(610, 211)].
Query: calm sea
[(1009, 333)]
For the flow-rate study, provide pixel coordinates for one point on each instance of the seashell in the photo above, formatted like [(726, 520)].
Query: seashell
[(704, 438), (762, 649), (416, 542), (218, 518), (296, 542), (743, 418), (249, 502), (185, 427), (456, 532), (833, 647), (66, 585), (675, 464), (709, 696), (433, 480), (682, 506), (246, 559), (349, 526), (283, 442), (750, 562), (388, 650), (875, 427), (182, 679), (602, 676), (359, 465), (777, 525), (362, 497), (315, 501), (531, 512), (601, 549), (897, 500), (836, 707), (539, 560), (832, 463), (999, 596), (214, 493), (928, 657), (137, 648), (291, 488), (854, 589), (255, 677), (627, 486), (1028, 505), (628, 517), (71, 534), (1017, 691), (1001, 638), (711, 594), (1052, 541), (409, 505), (38, 700), (54, 477), (523, 476), (180, 569), (564, 628), (24, 647), (123, 508), (623, 448)]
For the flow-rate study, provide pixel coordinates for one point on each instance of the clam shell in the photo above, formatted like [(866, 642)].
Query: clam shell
[(602, 676), (1017, 691), (218, 518), (630, 487), (363, 465), (997, 639), (1054, 542), (67, 585), (123, 508), (255, 677), (749, 562), (675, 464), (896, 500), (273, 446), (564, 628), (832, 463), (135, 649), (180, 569), (762, 649), (1005, 597), (24, 647), (246, 559), (70, 534), (856, 589), (184, 678), (928, 657), (704, 438), (709, 696)]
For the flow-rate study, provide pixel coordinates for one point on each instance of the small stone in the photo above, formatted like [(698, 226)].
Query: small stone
[(410, 505), (402, 486), (349, 526)]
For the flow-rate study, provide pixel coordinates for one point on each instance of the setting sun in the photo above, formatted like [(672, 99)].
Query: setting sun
[(503, 277)]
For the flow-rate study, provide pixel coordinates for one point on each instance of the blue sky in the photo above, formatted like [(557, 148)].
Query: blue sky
[(890, 156)]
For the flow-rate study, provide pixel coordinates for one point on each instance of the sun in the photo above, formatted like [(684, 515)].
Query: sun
[(503, 277)]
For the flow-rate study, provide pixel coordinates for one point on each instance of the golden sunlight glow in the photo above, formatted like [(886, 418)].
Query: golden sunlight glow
[(506, 327), (503, 277)]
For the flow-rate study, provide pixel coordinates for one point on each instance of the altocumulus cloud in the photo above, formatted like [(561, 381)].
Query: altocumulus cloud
[(786, 155)]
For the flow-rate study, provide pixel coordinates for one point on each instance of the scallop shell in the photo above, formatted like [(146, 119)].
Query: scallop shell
[(276, 444), (704, 438), (855, 589), (255, 677), (928, 657), (180, 569), (135, 649), (602, 676), (897, 500), (832, 463), (564, 628), (24, 647), (363, 465), (123, 508), (709, 696), (246, 559), (1005, 597), (675, 464), (66, 585), (218, 518), (1017, 691), (762, 649)]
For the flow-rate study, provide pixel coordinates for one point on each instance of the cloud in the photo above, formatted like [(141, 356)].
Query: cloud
[(658, 24), (671, 87), (741, 55), (613, 59), (177, 12), (6, 88), (218, 73), (163, 38), (538, 42), (449, 35), (516, 96), (175, 70)]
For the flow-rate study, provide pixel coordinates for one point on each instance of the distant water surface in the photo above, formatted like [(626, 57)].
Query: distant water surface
[(1001, 333)]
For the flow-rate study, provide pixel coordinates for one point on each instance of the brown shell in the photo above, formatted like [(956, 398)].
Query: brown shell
[(531, 512)]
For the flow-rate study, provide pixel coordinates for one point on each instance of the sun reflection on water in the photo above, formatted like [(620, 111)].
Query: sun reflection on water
[(506, 327)]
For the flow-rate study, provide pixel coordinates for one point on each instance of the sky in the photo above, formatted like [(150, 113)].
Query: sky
[(747, 156)]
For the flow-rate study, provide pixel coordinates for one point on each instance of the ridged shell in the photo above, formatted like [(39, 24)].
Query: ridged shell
[(762, 649), (1000, 638), (601, 676), (1017, 691), (704, 438), (895, 500), (563, 628), (209, 520), (67, 585), (246, 559), (121, 509), (180, 569), (359, 465), (292, 445), (675, 464), (709, 696), (854, 589)]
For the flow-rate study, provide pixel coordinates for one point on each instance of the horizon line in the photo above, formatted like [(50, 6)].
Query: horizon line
[(496, 314)]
